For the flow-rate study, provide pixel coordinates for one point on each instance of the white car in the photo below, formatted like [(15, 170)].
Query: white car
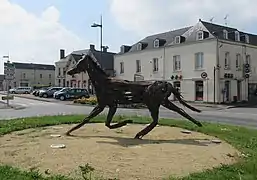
[(21, 90)]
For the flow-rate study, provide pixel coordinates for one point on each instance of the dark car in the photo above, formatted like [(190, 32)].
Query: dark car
[(61, 91), (49, 92), (72, 93)]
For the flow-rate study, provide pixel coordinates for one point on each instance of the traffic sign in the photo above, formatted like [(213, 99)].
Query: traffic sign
[(204, 75), (9, 71)]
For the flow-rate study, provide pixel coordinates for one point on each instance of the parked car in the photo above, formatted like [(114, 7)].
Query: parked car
[(21, 90), (62, 90), (49, 92), (36, 91), (72, 93)]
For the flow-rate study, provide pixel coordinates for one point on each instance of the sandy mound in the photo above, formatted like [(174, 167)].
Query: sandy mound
[(114, 153)]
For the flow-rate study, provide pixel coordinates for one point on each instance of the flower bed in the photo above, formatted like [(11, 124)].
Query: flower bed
[(91, 101)]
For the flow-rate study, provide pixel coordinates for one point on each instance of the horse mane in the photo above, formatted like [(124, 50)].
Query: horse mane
[(95, 63)]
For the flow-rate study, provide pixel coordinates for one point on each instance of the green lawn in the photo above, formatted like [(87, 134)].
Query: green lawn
[(243, 139)]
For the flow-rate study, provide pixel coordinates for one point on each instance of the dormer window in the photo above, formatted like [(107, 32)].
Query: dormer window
[(237, 36), (139, 46), (200, 35), (177, 40), (246, 38), (225, 34), (156, 43)]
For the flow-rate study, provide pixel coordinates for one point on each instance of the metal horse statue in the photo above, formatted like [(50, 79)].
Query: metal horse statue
[(112, 92)]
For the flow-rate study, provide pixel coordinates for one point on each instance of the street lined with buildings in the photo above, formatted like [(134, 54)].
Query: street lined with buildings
[(235, 116)]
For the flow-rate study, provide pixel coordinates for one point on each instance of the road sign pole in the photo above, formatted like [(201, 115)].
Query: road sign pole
[(9, 71), (8, 84)]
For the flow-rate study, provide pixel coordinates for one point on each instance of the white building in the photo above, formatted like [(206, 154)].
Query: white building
[(81, 80), (183, 55)]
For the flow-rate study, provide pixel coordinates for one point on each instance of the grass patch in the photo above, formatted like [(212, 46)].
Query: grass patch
[(241, 138)]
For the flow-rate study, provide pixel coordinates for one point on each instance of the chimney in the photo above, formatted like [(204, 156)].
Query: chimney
[(105, 48), (92, 47), (62, 53)]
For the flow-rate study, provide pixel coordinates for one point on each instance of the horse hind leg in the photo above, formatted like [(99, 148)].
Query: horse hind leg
[(169, 105)]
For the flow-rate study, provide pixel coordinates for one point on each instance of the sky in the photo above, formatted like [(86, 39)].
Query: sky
[(35, 30)]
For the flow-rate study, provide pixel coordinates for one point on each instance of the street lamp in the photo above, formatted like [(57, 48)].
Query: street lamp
[(101, 27)]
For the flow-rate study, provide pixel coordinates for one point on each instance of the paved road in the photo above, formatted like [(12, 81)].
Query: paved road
[(237, 116)]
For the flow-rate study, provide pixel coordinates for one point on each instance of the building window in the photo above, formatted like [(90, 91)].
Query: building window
[(24, 75), (238, 61), (41, 76), (199, 60), (64, 72), (248, 59), (246, 38), (138, 66), (227, 60), (139, 46), (63, 83), (156, 43), (59, 71), (177, 39), (50, 76), (200, 35), (155, 64), (237, 36), (225, 34), (176, 63), (121, 67), (59, 82)]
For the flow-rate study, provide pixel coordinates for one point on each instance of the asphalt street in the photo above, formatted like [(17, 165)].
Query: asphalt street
[(30, 108)]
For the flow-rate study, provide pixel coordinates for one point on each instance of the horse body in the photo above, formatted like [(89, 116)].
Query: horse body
[(112, 92)]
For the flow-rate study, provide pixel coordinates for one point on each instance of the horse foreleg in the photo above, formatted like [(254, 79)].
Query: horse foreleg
[(169, 105), (112, 111), (154, 114), (97, 110)]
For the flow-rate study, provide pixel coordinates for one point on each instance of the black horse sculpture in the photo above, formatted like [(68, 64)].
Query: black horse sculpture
[(112, 92)]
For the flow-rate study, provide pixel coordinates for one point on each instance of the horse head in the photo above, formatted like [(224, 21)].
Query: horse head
[(80, 66), (86, 64)]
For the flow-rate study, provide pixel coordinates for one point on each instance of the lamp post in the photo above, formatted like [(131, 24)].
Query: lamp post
[(101, 27)]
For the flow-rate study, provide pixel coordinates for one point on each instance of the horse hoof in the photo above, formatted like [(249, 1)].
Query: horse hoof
[(129, 121), (67, 134), (138, 137), (199, 124)]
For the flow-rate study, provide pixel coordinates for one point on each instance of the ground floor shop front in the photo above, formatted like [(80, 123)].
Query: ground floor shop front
[(224, 91)]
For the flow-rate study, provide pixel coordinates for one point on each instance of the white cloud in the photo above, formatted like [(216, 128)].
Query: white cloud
[(150, 16), (30, 38)]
